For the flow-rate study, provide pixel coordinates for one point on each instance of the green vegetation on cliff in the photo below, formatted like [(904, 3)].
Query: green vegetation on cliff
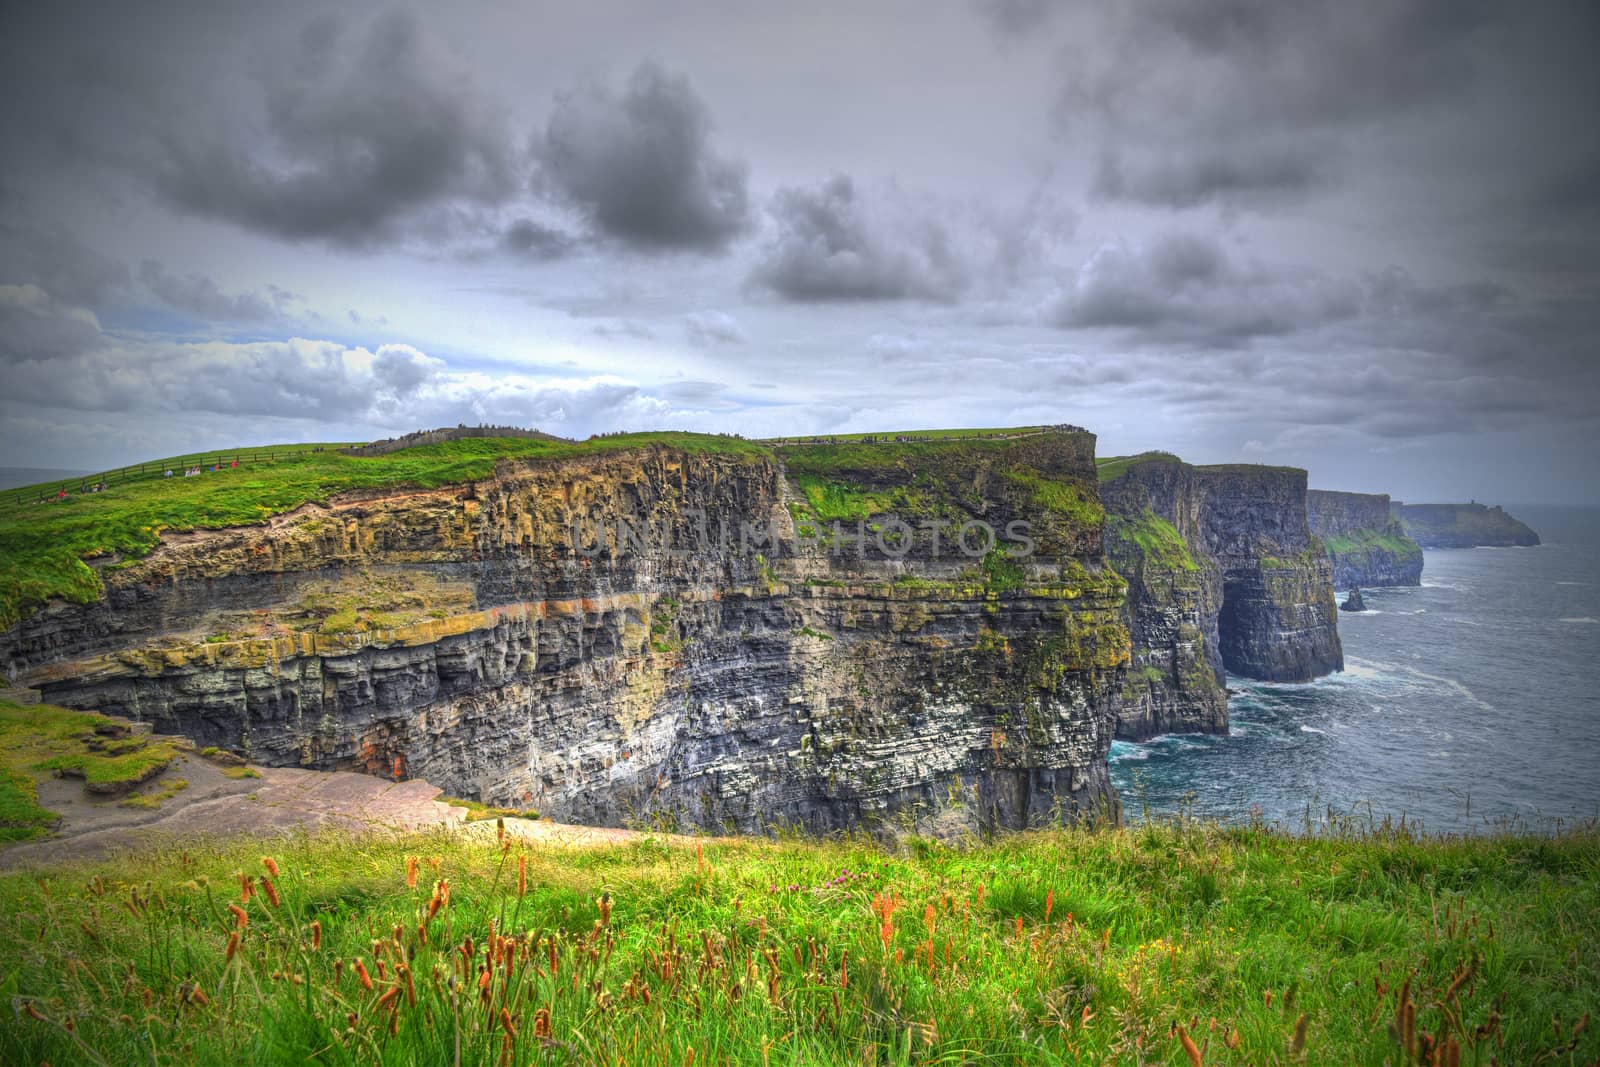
[(39, 740), (1066, 947), (1155, 539), (1068, 499), (1364, 542), (1110, 468), (43, 545)]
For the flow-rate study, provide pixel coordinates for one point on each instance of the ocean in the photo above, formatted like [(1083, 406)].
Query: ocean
[(14, 477), (1468, 704)]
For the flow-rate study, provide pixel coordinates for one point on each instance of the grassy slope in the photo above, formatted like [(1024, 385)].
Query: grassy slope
[(889, 435), (1066, 947), (38, 739), (1364, 542), (42, 545), (1157, 540)]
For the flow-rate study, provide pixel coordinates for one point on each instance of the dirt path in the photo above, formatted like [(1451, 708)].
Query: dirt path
[(281, 800)]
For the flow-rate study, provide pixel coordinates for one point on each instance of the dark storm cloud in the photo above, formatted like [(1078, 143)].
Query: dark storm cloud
[(1251, 173), (60, 264), (200, 296), (1187, 289), (35, 328), (641, 164), (534, 240), (833, 244), (364, 126), (1253, 102), (1018, 17)]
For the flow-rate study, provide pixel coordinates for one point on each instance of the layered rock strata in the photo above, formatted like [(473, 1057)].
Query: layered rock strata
[(1463, 526), (1366, 544), (1224, 575), (731, 641)]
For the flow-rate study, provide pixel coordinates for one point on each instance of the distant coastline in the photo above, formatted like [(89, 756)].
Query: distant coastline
[(16, 477)]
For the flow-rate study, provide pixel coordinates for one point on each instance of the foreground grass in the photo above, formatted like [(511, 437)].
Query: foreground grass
[(1068, 947), (43, 545)]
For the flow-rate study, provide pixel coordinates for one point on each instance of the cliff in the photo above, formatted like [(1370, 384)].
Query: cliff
[(1224, 574), (1462, 526), (1366, 543), (730, 638)]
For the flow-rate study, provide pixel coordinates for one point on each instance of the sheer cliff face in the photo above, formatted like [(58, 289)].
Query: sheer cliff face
[(1223, 573), (473, 636), (1174, 597), (1366, 543), (1463, 526)]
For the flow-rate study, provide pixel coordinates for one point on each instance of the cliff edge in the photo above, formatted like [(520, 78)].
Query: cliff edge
[(687, 631), (1463, 526), (1365, 541), (1224, 574)]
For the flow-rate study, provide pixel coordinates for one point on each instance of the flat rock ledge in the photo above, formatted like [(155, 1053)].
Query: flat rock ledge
[(281, 800)]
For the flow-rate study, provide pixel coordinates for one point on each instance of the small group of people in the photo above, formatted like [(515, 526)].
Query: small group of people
[(194, 472)]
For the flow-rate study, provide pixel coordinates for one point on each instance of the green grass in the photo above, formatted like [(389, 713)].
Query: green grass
[(891, 434), (43, 546), (1313, 554), (1156, 540), (1110, 468), (1065, 498), (848, 456), (38, 739), (1067, 947), (1364, 542)]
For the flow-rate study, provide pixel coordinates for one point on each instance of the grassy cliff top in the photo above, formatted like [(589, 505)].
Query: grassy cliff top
[(890, 436), (1046, 948), (1110, 468), (43, 544)]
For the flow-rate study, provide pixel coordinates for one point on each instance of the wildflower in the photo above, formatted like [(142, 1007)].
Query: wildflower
[(605, 909), (316, 933), (271, 865), (233, 946), (241, 918), (411, 872), (270, 890), (361, 973), (388, 996), (506, 1024), (1049, 902)]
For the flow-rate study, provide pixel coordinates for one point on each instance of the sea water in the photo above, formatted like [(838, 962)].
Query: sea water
[(1470, 703)]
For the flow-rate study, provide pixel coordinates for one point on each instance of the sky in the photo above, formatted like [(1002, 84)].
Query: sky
[(1360, 237)]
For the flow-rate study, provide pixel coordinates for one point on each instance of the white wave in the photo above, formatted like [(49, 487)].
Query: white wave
[(1582, 618), (1451, 684), (1573, 583), (1361, 670), (1311, 730)]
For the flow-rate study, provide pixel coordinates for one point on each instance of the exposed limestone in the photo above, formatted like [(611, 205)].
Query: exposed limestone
[(460, 635), (1223, 573)]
